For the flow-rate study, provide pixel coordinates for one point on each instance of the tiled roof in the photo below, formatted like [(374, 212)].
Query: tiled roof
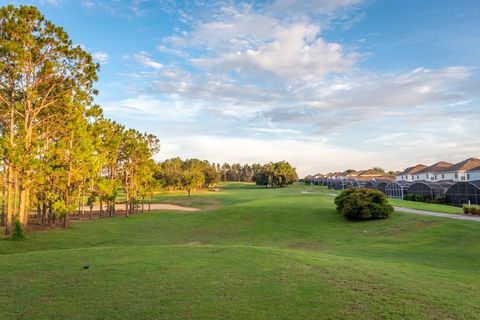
[(475, 169), (413, 170), (437, 167), (467, 164)]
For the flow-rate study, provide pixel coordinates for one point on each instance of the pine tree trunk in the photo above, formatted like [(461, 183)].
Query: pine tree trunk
[(101, 208), (83, 205), (90, 214), (23, 212), (65, 220), (39, 212), (4, 186), (44, 213)]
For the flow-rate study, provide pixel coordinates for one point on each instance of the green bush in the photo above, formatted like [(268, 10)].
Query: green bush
[(363, 204), (17, 231), (471, 209)]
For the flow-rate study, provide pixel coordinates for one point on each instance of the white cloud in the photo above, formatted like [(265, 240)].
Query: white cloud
[(144, 58), (294, 52), (100, 57)]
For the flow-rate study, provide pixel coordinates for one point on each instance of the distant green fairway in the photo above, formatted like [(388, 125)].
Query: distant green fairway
[(253, 253)]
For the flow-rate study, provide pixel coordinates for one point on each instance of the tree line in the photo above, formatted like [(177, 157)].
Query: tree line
[(56, 148), (192, 174)]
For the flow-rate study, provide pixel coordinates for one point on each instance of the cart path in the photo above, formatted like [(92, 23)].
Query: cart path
[(438, 214)]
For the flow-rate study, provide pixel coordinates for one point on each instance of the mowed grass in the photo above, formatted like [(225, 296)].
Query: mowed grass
[(252, 253)]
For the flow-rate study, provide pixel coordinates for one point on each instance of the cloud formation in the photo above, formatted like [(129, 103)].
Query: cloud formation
[(267, 74)]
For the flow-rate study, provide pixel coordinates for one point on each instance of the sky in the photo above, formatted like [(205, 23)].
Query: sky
[(326, 85)]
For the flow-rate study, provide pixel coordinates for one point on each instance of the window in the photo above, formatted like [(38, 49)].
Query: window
[(427, 175), (468, 176), (443, 176), (436, 177), (418, 177), (456, 175)]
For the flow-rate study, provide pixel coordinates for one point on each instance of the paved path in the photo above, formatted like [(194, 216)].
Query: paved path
[(438, 214)]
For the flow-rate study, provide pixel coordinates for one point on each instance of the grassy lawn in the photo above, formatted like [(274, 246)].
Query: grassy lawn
[(252, 253), (425, 206)]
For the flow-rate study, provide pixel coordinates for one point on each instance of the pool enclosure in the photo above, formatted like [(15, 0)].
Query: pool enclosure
[(430, 190), (397, 189), (463, 193)]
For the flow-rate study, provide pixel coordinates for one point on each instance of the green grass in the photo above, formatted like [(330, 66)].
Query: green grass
[(251, 254), (425, 206)]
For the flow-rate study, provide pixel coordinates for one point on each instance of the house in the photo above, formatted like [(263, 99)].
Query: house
[(411, 173), (458, 172), (434, 172), (473, 174)]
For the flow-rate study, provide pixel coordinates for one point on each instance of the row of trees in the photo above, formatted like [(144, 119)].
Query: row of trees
[(276, 174), (56, 148), (191, 174), (238, 172)]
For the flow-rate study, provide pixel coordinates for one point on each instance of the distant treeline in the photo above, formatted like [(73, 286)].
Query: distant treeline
[(191, 174)]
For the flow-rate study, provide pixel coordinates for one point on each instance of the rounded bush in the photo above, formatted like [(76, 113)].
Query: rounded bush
[(363, 204)]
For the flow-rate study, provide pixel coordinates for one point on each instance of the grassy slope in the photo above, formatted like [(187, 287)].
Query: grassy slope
[(256, 254)]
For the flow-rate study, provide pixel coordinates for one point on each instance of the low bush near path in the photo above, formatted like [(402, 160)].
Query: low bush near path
[(363, 204)]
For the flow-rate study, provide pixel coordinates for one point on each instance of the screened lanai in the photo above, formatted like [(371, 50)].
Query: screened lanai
[(356, 184), (463, 193), (371, 185), (430, 190), (381, 185), (397, 189)]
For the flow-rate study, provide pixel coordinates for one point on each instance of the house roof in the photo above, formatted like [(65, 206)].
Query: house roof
[(437, 167), (413, 170), (475, 169), (467, 164), (371, 173)]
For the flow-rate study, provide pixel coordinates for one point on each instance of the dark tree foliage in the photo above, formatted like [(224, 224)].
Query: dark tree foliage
[(276, 174), (363, 204)]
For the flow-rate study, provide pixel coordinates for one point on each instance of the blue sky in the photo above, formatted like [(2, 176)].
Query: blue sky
[(327, 84)]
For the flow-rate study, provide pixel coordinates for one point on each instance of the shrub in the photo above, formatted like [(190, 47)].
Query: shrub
[(471, 209), (17, 231), (363, 204)]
